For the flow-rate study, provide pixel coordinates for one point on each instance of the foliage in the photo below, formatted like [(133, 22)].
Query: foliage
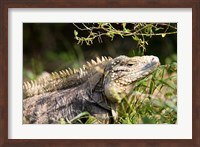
[(138, 31), (153, 101), (78, 119), (154, 98)]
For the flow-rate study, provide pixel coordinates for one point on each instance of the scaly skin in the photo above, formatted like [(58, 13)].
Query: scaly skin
[(93, 88)]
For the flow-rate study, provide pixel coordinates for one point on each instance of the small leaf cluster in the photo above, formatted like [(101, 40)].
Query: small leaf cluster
[(139, 32)]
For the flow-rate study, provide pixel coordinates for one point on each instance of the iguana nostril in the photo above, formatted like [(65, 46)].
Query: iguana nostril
[(155, 59)]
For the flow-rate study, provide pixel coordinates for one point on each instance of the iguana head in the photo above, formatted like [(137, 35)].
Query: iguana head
[(123, 72)]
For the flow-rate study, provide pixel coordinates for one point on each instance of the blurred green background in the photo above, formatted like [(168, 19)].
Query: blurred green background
[(52, 46)]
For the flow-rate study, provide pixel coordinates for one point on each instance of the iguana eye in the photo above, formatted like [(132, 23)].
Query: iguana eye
[(130, 64)]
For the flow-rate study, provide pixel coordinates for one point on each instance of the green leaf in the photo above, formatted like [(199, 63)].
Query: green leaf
[(160, 28), (163, 35), (81, 115), (135, 38), (127, 30), (75, 33), (62, 121)]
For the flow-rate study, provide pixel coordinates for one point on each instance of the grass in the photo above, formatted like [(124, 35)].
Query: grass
[(153, 100)]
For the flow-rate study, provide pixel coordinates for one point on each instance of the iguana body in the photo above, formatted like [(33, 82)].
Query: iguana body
[(93, 88)]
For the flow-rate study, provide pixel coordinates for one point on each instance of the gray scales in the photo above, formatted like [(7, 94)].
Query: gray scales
[(95, 88)]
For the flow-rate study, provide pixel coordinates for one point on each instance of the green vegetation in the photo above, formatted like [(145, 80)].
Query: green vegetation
[(138, 31), (154, 99), (78, 118)]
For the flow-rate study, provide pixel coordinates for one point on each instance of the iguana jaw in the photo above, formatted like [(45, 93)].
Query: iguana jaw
[(119, 81)]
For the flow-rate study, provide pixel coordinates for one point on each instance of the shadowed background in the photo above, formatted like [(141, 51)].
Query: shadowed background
[(52, 46)]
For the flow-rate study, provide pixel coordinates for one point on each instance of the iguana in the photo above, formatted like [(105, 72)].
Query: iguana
[(93, 88)]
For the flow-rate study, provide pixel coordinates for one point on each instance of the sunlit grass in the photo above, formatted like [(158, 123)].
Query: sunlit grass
[(153, 100)]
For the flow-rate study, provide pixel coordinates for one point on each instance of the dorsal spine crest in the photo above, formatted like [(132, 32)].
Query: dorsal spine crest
[(43, 83)]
